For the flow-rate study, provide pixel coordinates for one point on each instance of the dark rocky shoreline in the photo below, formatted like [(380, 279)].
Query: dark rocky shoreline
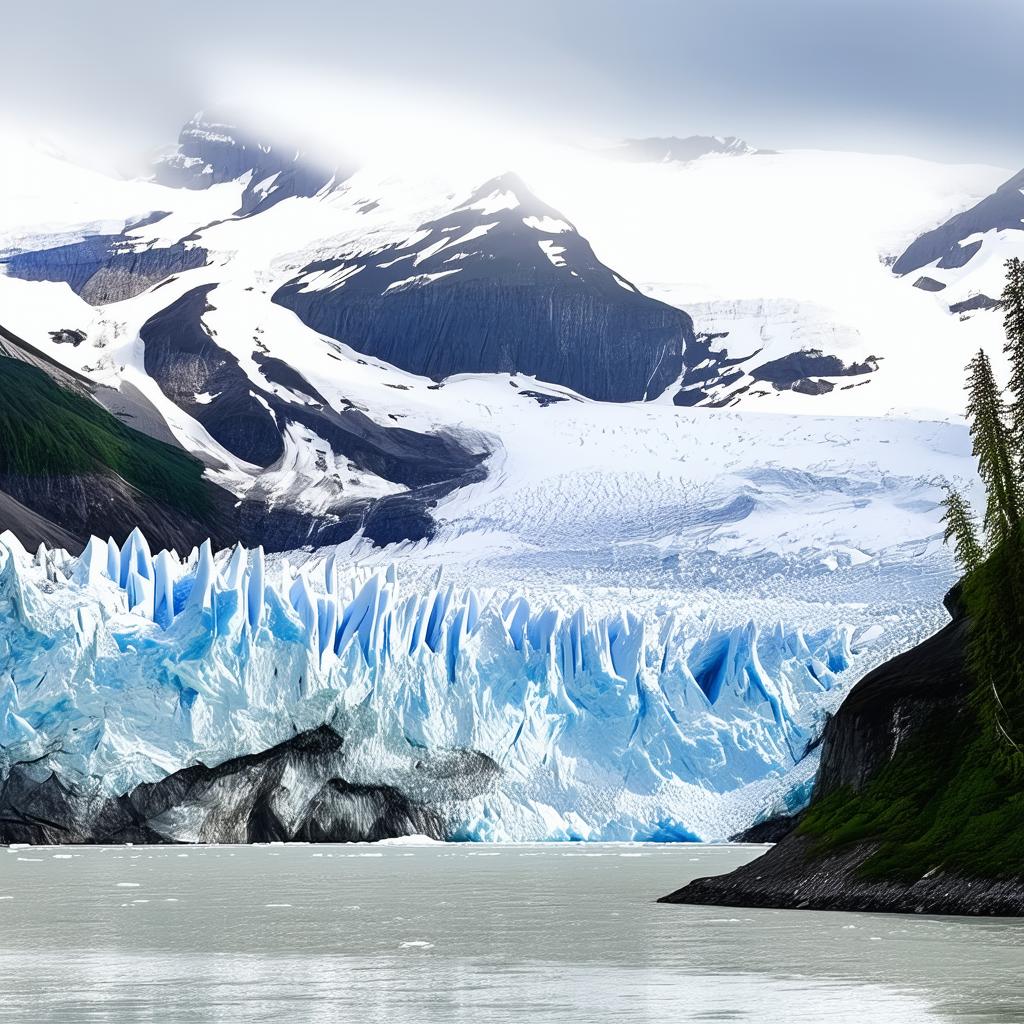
[(790, 877), (892, 705)]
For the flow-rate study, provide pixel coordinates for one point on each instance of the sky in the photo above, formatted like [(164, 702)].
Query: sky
[(940, 79)]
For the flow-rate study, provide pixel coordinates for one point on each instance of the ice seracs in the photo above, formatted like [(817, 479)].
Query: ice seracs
[(120, 667)]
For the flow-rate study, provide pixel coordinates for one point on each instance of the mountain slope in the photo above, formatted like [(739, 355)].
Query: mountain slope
[(961, 262), (274, 341), (212, 152), (71, 462), (955, 243), (502, 284)]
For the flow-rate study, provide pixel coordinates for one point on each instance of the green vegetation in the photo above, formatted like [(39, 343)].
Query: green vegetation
[(51, 431), (952, 799)]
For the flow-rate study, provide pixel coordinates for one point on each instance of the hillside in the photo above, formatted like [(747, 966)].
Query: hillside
[(914, 809), (69, 468)]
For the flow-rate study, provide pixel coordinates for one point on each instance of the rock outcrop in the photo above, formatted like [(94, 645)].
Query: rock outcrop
[(915, 706), (295, 791)]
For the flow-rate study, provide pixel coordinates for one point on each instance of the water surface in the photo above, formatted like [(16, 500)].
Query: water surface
[(463, 933)]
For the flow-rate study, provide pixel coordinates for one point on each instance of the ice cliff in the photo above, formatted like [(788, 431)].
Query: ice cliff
[(121, 667)]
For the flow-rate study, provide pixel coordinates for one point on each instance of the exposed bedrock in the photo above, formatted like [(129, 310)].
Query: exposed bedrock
[(211, 151), (501, 284), (207, 382), (73, 507), (612, 348), (948, 244), (794, 368), (105, 268), (299, 790), (902, 703)]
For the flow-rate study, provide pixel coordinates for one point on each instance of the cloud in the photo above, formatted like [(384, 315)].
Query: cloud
[(930, 78)]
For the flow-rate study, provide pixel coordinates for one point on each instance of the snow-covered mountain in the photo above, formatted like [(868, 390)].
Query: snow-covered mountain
[(212, 153), (503, 283), (605, 396), (961, 261)]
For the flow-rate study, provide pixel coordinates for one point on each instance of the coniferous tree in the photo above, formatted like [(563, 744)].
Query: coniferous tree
[(995, 452), (1013, 325), (960, 529)]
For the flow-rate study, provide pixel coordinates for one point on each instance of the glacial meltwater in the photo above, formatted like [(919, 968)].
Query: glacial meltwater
[(449, 933)]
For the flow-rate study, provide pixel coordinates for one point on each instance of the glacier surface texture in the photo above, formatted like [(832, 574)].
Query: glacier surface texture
[(121, 667)]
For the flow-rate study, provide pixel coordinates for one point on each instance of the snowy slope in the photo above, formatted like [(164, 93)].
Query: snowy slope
[(798, 241), (657, 547), (715, 235), (959, 263)]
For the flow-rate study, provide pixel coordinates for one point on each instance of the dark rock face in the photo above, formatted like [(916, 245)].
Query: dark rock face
[(105, 505), (212, 152), (891, 703), (1001, 211), (503, 284), (712, 372), (806, 386), (791, 877), (974, 303), (542, 399), (188, 364), (881, 714), (207, 382), (929, 284), (34, 529), (771, 830), (105, 268), (295, 791), (63, 509), (790, 370), (707, 368), (68, 336)]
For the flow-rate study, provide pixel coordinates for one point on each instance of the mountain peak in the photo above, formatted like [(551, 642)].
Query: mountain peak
[(212, 151), (508, 195), (672, 149)]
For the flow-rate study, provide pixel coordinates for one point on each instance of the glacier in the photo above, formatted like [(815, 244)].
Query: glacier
[(121, 667)]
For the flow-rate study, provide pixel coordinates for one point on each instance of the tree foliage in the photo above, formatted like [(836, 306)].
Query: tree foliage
[(950, 800), (960, 529), (994, 450), (993, 590), (1013, 325)]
